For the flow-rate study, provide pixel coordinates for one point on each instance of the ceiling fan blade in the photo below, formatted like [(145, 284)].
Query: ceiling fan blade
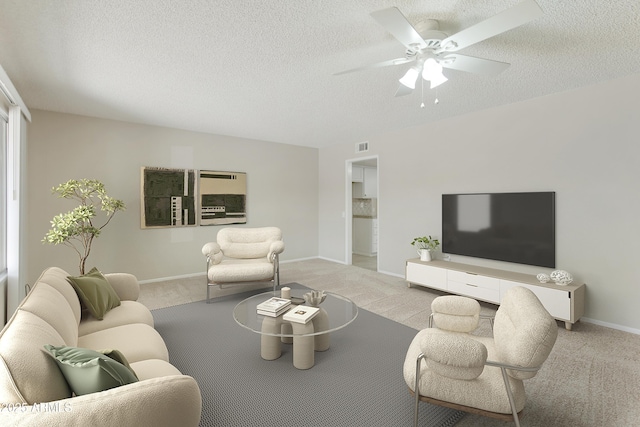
[(471, 64), (518, 15), (396, 24), (396, 61), (403, 90)]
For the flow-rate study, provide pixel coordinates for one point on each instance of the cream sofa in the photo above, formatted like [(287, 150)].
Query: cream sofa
[(33, 390)]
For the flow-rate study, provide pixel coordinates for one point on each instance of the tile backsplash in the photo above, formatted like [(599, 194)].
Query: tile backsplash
[(365, 207)]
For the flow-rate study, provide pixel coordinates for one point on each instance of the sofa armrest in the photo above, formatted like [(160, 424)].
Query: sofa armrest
[(213, 252), (455, 313), (454, 356), (276, 247), (126, 285), (165, 401)]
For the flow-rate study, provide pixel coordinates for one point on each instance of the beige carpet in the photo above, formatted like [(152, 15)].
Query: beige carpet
[(592, 377)]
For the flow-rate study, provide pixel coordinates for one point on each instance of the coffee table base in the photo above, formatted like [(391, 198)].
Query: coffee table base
[(304, 344)]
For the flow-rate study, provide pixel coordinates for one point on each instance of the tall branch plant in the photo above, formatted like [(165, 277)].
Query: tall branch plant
[(77, 228)]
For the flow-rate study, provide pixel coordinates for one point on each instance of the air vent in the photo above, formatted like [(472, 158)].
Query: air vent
[(362, 147)]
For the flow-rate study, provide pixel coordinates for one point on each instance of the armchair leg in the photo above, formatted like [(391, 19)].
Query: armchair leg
[(416, 390), (276, 273), (512, 402), (206, 274)]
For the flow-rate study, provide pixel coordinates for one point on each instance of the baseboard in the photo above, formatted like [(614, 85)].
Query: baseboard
[(298, 259), (187, 276), (331, 260), (163, 279), (388, 273), (611, 325)]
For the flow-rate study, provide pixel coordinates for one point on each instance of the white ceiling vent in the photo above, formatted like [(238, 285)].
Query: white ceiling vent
[(362, 147)]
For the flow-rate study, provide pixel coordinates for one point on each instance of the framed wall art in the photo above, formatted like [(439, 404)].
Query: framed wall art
[(168, 197), (222, 197)]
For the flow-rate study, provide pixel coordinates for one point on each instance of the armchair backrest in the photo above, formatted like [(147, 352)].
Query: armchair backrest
[(247, 242), (524, 332)]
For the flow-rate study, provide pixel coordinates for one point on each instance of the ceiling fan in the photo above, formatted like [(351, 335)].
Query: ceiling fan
[(431, 50)]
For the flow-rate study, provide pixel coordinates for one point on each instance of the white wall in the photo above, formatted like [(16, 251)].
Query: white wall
[(581, 144), (282, 188)]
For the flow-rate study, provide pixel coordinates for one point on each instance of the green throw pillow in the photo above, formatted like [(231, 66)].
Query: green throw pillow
[(89, 371), (95, 292)]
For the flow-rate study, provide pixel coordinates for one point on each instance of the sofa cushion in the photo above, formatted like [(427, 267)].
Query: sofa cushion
[(240, 270), (27, 373), (88, 371), (136, 341), (126, 285), (95, 292), (126, 313), (50, 305), (247, 242), (57, 278), (154, 368)]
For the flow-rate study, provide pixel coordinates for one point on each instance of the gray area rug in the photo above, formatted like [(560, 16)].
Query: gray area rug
[(357, 382)]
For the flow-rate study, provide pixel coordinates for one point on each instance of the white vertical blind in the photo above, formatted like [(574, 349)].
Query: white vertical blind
[(13, 272)]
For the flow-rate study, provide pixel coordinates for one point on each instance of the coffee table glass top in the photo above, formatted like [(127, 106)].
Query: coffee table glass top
[(340, 310)]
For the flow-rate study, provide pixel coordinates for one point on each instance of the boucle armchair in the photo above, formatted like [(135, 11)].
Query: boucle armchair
[(450, 367), (242, 255)]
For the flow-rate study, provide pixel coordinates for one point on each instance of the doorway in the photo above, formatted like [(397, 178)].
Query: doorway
[(362, 224)]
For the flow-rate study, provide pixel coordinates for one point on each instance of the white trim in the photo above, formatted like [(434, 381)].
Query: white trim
[(299, 259), (332, 260), (16, 203), (611, 325), (190, 275), (348, 212), (9, 90), (164, 279), (4, 284), (388, 273)]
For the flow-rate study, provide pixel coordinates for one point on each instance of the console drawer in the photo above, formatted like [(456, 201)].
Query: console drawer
[(474, 291), (474, 280)]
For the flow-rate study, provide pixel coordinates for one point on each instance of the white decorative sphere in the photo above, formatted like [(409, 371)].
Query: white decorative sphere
[(543, 278), (561, 277)]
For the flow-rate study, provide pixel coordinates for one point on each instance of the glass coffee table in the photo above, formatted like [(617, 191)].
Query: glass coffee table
[(336, 312)]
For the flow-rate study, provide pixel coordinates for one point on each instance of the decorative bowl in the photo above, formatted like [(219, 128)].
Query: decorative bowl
[(314, 298), (543, 278), (561, 277)]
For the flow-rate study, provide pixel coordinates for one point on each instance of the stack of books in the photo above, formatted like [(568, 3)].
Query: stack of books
[(301, 314), (273, 307)]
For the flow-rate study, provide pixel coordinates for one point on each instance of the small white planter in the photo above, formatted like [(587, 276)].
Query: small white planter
[(425, 254)]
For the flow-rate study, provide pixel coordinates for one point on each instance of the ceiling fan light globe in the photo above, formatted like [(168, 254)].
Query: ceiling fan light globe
[(410, 78), (432, 69), (438, 80)]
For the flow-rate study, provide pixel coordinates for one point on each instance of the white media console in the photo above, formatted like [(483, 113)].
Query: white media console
[(564, 303)]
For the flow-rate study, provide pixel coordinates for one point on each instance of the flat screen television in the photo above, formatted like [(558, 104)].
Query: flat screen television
[(512, 227)]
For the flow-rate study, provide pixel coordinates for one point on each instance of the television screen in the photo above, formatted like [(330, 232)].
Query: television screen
[(512, 227)]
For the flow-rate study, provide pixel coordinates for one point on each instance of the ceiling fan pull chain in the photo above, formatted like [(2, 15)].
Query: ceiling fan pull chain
[(422, 105)]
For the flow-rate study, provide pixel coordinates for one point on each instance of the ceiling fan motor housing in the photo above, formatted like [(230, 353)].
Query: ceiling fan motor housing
[(430, 32)]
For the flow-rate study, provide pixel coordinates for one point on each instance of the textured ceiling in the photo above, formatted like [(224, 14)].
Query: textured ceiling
[(263, 69)]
